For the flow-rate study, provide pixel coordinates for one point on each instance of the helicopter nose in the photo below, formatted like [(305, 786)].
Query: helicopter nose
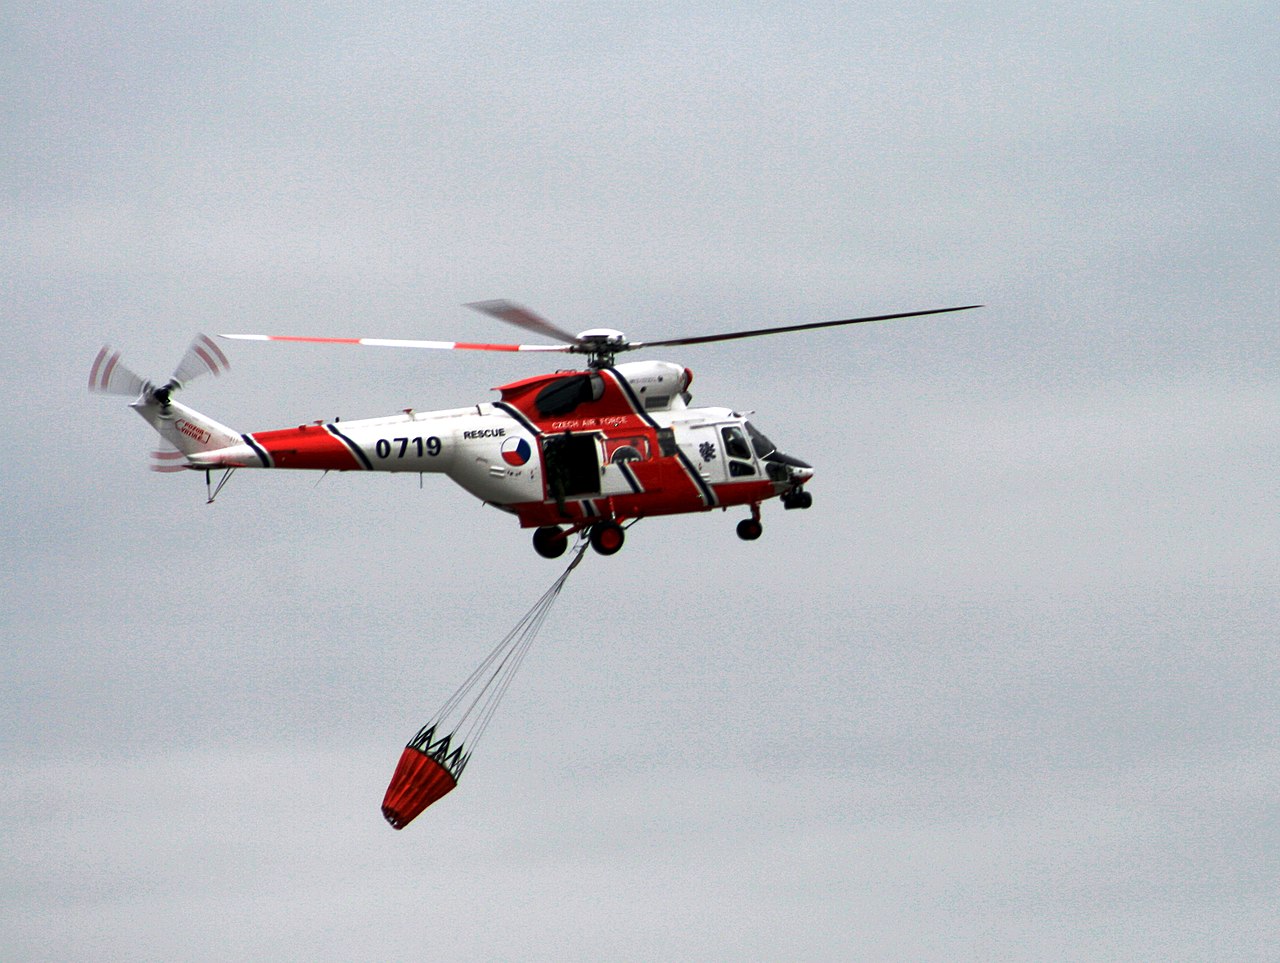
[(788, 468), (797, 466)]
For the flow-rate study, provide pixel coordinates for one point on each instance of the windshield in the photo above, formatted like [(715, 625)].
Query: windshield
[(763, 446)]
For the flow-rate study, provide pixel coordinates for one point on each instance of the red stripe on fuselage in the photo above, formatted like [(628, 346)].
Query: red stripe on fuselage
[(744, 492), (307, 446)]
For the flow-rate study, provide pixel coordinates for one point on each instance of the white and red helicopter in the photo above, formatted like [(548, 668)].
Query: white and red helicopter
[(569, 452)]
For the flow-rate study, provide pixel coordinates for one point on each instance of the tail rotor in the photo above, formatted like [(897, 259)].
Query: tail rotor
[(111, 376), (203, 357)]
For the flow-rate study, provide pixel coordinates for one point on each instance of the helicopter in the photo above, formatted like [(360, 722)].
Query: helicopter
[(570, 452)]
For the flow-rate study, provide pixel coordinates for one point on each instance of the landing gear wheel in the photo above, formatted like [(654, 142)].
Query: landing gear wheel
[(749, 529), (549, 541), (607, 537)]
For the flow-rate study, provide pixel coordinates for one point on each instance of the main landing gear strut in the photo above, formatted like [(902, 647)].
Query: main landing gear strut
[(551, 541)]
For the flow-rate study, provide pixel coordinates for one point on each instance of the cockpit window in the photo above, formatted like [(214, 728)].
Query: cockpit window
[(735, 443), (763, 446), (739, 452)]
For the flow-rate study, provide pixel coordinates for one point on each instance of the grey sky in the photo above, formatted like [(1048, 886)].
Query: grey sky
[(1008, 691)]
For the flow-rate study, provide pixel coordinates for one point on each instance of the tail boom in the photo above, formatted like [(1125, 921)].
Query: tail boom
[(185, 429)]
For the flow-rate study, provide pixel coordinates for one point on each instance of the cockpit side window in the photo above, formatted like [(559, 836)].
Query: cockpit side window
[(738, 451), (735, 442)]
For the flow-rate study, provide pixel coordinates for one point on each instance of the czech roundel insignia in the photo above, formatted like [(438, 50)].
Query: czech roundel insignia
[(516, 451)]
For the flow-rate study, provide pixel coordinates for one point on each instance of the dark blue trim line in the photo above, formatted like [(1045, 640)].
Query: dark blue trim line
[(515, 413), (258, 450), (355, 449), (634, 400), (708, 495), (629, 475)]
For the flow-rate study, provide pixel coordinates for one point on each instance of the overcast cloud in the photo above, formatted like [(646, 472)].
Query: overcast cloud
[(1008, 691)]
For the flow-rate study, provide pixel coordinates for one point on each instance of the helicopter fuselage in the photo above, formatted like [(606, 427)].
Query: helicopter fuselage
[(576, 449)]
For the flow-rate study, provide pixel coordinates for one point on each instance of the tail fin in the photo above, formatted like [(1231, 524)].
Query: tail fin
[(185, 429)]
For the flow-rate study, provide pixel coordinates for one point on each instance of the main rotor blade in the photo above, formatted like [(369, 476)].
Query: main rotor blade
[(522, 317), (734, 335), (402, 343)]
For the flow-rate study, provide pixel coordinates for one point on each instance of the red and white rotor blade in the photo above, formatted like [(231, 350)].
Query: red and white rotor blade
[(403, 343), (110, 376)]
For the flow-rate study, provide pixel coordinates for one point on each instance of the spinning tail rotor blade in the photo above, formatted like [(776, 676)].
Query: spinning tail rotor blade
[(202, 357), (110, 376), (734, 335)]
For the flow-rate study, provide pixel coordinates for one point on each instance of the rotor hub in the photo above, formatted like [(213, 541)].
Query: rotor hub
[(601, 344)]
